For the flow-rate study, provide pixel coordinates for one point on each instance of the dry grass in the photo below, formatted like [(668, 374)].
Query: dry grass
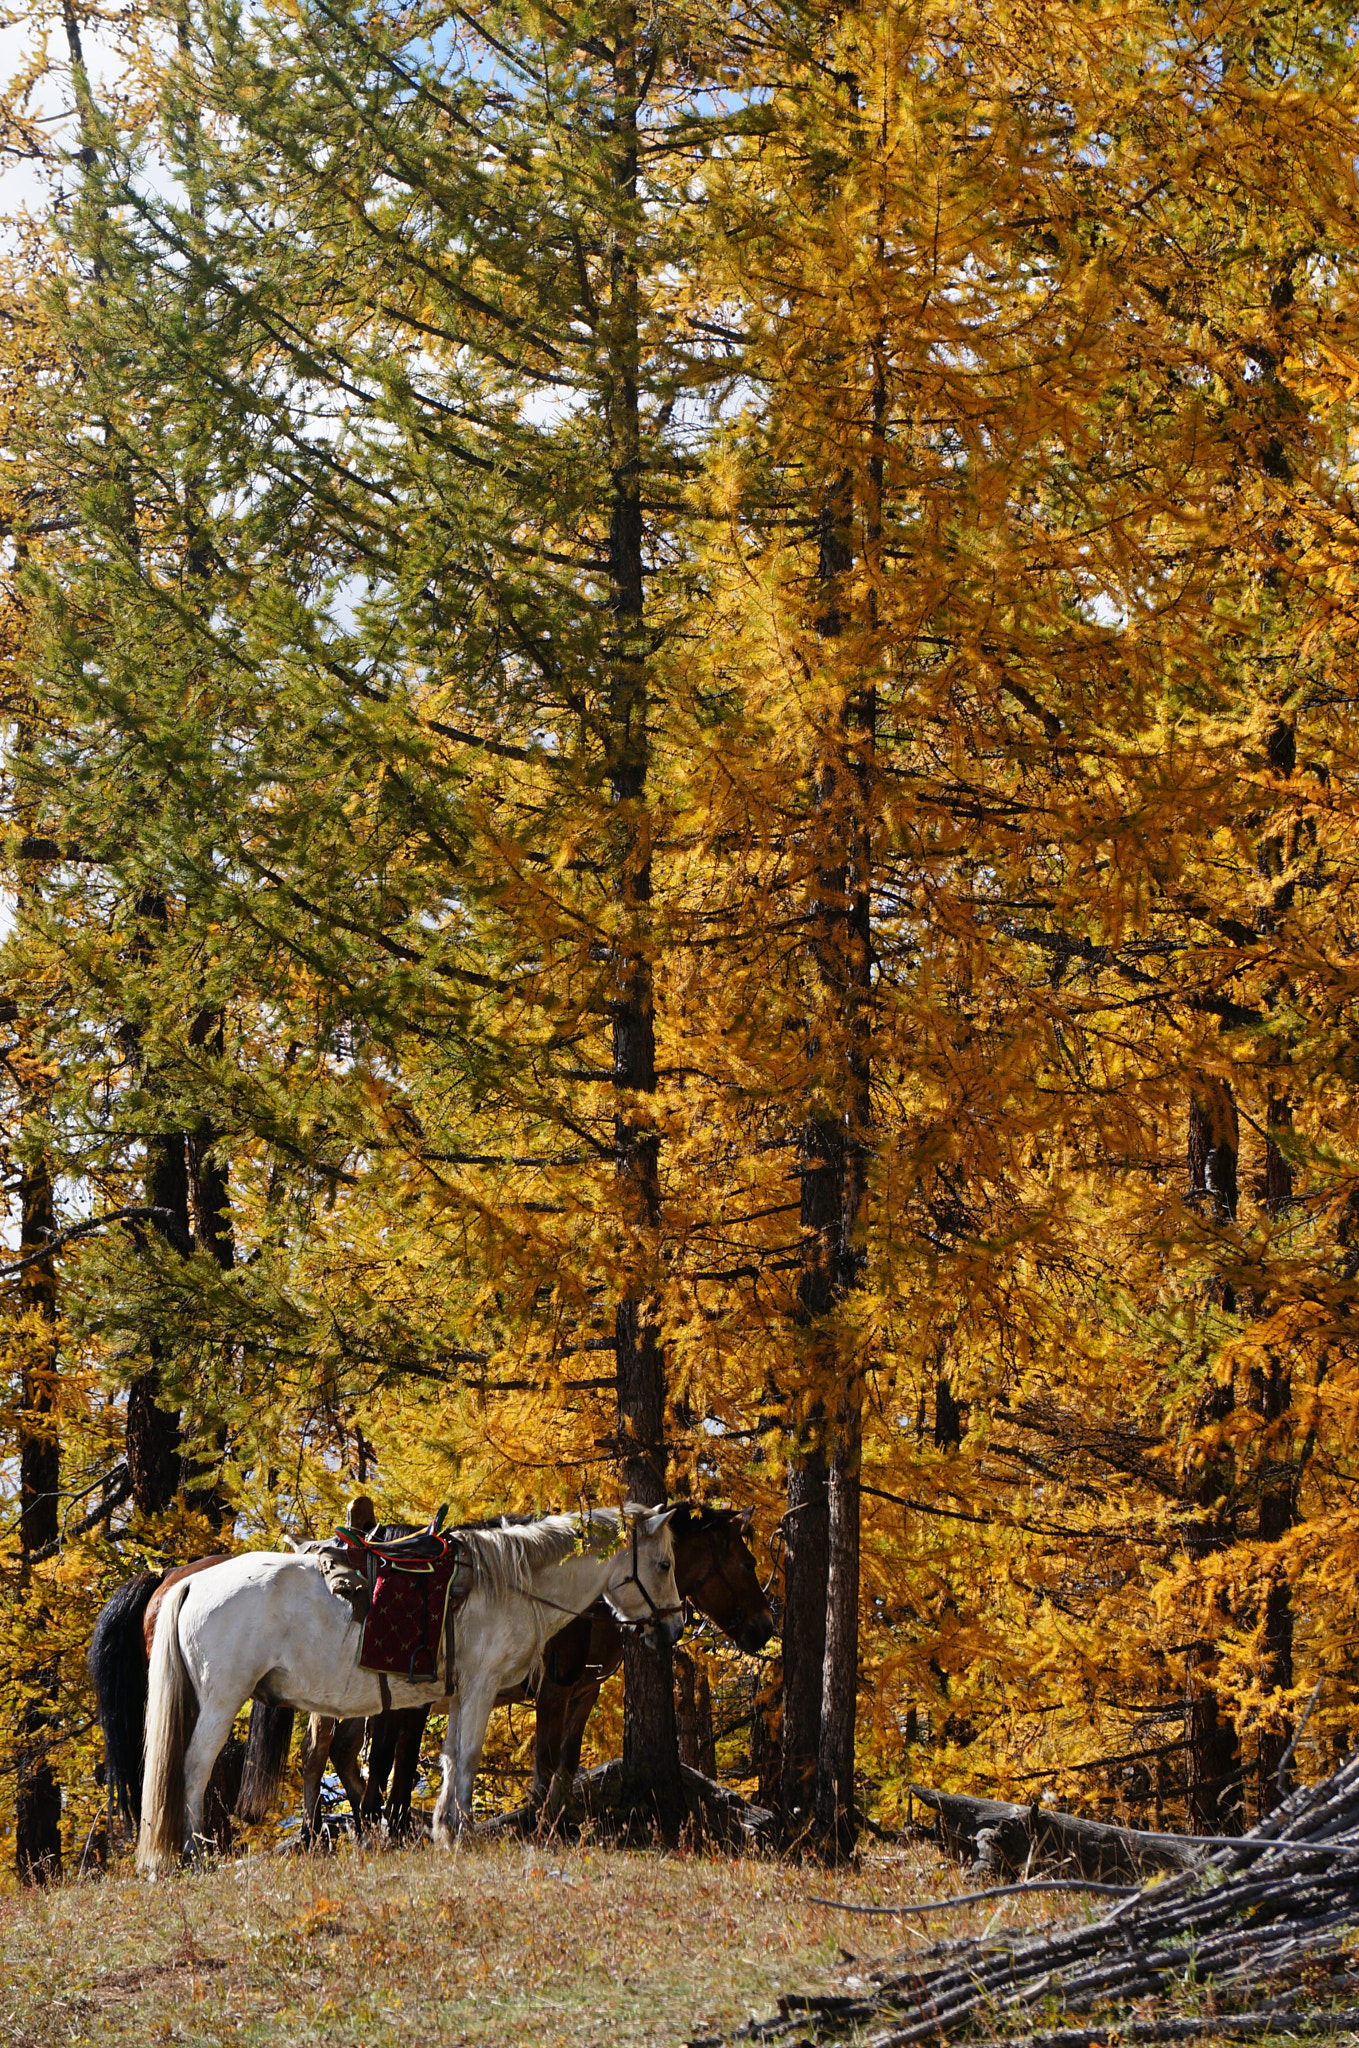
[(497, 1943)]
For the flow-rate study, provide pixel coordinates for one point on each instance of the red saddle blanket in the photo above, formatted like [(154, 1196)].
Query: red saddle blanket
[(408, 1630)]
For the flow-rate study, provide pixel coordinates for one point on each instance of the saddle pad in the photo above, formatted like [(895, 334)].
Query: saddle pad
[(412, 1605)]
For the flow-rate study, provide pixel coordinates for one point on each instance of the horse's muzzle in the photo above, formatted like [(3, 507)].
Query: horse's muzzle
[(664, 1632), (756, 1634)]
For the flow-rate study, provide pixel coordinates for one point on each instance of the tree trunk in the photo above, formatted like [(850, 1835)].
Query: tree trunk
[(766, 1724), (806, 1571), (1212, 1753), (1213, 1756), (835, 1820), (209, 1184), (209, 1181), (39, 1445), (694, 1715), (1271, 1397), (806, 1519), (836, 1826), (153, 1456), (37, 1830), (651, 1762), (651, 1766), (815, 1641)]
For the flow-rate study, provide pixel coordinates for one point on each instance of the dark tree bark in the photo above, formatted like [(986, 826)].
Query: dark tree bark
[(948, 1418), (1271, 1395), (1213, 1779), (209, 1179), (821, 1576), (37, 1832), (766, 1720), (1214, 1143), (806, 1572), (1272, 1386), (37, 1802), (836, 1825), (153, 1455), (694, 1715), (209, 1184), (806, 1521), (39, 1445), (651, 1766), (1212, 1751)]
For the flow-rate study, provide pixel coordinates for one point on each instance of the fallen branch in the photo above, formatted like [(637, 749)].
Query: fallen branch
[(997, 1891), (1237, 2026)]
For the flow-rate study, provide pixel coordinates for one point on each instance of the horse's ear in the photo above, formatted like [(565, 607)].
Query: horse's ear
[(746, 1520), (655, 1518)]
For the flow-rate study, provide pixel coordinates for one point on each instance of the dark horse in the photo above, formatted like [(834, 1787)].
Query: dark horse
[(117, 1658), (714, 1569)]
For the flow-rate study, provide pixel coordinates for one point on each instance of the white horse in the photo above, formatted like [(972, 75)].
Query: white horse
[(267, 1624)]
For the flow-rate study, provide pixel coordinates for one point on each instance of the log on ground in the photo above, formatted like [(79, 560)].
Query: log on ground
[(1003, 1838)]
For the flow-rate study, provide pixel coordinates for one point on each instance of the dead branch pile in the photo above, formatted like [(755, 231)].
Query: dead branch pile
[(1256, 1939)]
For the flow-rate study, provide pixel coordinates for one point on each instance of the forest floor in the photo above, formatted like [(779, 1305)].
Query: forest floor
[(498, 1942)]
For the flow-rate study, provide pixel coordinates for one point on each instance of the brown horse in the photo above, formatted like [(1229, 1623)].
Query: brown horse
[(714, 1570)]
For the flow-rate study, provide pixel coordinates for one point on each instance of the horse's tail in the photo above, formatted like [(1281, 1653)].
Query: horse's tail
[(171, 1712), (117, 1665), (266, 1759)]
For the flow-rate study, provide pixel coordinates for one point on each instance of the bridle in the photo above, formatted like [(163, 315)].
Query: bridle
[(634, 1579)]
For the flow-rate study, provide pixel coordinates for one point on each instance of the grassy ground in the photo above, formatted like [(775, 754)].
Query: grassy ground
[(499, 1942)]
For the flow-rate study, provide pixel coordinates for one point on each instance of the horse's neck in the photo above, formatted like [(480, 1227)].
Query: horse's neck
[(691, 1558), (575, 1582)]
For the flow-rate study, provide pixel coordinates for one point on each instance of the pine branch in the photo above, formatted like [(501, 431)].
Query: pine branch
[(135, 1213)]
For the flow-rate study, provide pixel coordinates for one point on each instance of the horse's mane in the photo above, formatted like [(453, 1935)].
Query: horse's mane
[(506, 1550), (697, 1518)]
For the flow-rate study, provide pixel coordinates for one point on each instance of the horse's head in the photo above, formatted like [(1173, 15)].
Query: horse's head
[(715, 1568), (641, 1587)]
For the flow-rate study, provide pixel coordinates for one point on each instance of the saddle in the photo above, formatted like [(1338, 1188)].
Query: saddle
[(416, 1584)]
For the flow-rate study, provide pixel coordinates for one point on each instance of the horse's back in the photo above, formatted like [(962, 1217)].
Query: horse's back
[(172, 1578), (261, 1597), (267, 1622), (253, 1577)]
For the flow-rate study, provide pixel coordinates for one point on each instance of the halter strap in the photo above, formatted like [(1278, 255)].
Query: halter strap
[(634, 1579)]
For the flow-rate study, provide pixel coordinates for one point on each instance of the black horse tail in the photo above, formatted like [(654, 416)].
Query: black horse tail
[(266, 1759), (117, 1664)]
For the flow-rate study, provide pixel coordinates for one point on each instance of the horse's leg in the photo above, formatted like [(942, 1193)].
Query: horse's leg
[(345, 1745), (216, 1718), (410, 1734), (548, 1732), (383, 1732), (468, 1714), (578, 1712), (316, 1745)]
